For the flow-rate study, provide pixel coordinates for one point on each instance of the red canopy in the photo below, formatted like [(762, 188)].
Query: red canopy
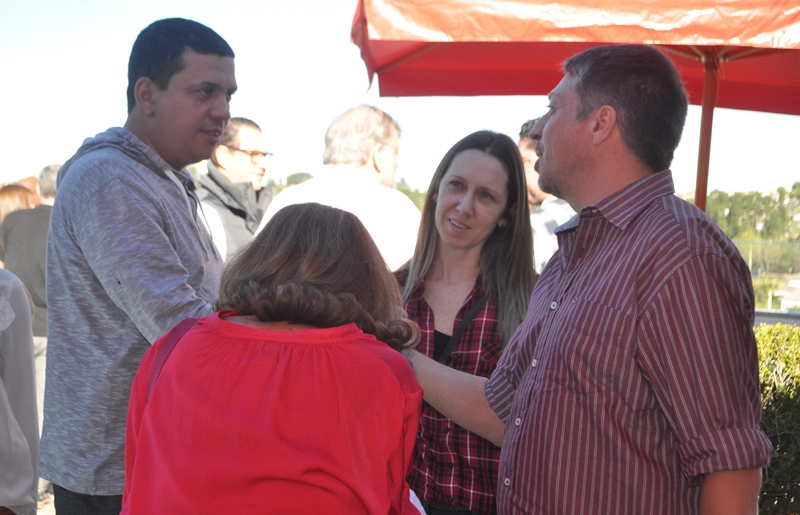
[(745, 52)]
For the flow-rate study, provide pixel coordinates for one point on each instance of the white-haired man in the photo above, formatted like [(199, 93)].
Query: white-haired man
[(360, 162)]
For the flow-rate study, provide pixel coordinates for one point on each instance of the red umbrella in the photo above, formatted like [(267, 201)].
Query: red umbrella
[(739, 54)]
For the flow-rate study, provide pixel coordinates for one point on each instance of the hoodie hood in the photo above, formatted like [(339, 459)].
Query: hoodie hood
[(121, 140), (124, 141)]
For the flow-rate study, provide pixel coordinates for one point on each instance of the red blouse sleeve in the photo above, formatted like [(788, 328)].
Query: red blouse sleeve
[(413, 408), (136, 405)]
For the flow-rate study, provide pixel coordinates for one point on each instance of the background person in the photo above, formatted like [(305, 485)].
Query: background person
[(32, 183), (19, 433), (229, 191), (360, 160), (23, 252), (127, 256), (287, 400), (14, 197), (473, 252), (547, 211)]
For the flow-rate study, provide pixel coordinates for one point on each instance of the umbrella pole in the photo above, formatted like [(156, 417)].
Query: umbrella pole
[(704, 156)]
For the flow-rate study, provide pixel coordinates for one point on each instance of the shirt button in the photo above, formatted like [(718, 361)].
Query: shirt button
[(451, 465), (507, 481), (518, 422), (534, 363), (553, 305), (446, 429)]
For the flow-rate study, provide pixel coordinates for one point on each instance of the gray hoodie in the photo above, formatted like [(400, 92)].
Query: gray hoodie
[(127, 259)]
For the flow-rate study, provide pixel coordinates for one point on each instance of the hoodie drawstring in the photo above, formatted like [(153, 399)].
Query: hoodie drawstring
[(192, 198)]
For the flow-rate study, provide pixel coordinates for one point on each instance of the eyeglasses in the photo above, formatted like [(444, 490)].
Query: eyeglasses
[(256, 156)]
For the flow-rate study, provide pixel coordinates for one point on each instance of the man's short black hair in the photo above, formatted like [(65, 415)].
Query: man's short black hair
[(642, 84), (158, 51)]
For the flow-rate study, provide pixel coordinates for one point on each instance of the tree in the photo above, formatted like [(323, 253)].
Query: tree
[(416, 196), (752, 215), (762, 288), (297, 178), (762, 226)]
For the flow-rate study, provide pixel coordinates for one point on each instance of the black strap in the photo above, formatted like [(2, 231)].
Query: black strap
[(462, 326), (175, 334)]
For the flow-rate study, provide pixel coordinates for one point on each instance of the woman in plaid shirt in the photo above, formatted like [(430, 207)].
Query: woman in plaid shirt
[(467, 286)]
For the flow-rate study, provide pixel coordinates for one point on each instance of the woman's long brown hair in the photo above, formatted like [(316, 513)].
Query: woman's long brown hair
[(317, 265)]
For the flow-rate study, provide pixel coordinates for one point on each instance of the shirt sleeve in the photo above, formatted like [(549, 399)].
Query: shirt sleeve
[(19, 436), (502, 385), (124, 241), (697, 350), (136, 405), (413, 408)]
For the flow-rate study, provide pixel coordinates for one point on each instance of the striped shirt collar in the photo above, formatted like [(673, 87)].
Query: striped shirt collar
[(622, 206)]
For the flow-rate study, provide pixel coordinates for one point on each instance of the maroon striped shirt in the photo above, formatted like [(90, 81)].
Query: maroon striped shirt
[(635, 370)]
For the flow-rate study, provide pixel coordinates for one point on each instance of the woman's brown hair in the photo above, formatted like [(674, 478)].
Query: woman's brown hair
[(317, 265), (14, 197)]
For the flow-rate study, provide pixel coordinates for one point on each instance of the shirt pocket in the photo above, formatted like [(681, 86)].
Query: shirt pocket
[(586, 348)]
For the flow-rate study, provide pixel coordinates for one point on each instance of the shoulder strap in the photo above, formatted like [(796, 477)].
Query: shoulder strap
[(172, 338), (462, 326)]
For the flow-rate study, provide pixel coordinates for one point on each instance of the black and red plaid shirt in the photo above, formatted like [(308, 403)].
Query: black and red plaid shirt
[(452, 465)]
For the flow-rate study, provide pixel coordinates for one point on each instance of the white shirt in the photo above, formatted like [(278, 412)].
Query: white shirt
[(19, 426), (552, 213), (213, 224), (390, 217)]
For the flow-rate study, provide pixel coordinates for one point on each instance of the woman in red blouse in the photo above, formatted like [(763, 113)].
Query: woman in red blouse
[(467, 286), (293, 398)]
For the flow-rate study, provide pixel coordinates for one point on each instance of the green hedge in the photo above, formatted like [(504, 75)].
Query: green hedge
[(779, 357)]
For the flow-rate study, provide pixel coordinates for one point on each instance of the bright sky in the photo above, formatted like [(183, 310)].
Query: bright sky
[(64, 78)]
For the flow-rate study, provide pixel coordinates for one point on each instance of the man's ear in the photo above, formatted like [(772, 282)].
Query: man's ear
[(223, 155), (374, 158), (145, 92), (605, 122), (378, 157)]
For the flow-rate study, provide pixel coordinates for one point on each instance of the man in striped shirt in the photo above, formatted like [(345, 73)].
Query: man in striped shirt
[(631, 387)]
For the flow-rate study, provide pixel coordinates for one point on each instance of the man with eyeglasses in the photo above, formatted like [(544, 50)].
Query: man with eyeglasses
[(232, 195)]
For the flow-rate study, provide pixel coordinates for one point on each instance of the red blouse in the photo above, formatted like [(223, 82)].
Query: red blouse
[(244, 420)]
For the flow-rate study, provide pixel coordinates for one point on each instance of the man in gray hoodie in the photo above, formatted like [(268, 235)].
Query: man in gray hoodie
[(127, 256)]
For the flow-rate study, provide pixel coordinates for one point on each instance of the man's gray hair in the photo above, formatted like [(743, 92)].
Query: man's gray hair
[(355, 133), (47, 180)]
